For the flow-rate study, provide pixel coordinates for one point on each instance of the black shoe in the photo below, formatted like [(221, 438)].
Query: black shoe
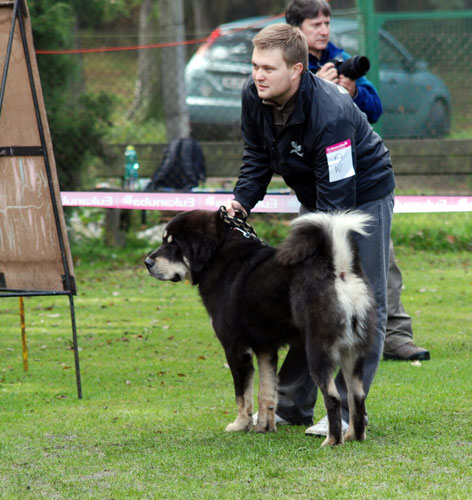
[(407, 352)]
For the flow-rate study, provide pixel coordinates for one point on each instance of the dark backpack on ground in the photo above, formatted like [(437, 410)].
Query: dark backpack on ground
[(182, 167)]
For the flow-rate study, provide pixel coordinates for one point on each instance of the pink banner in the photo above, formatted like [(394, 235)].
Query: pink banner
[(274, 203)]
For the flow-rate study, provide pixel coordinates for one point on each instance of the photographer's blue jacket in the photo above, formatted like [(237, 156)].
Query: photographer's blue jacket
[(367, 98), (327, 151)]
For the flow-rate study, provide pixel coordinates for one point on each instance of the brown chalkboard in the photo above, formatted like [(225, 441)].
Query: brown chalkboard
[(34, 250)]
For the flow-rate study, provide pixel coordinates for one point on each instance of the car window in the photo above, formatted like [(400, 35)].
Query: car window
[(390, 56), (348, 40), (235, 47)]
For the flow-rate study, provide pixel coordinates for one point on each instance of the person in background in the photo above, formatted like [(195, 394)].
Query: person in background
[(310, 132), (313, 18)]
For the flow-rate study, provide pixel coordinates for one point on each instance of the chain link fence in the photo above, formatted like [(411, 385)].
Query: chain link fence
[(424, 79)]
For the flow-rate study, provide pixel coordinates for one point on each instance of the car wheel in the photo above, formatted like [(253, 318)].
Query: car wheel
[(438, 121)]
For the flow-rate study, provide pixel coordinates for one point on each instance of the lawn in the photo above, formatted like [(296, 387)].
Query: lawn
[(157, 395)]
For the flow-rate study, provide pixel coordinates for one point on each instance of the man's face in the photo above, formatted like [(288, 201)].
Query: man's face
[(317, 33), (273, 78)]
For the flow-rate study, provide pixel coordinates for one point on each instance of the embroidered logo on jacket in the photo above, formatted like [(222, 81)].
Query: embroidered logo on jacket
[(297, 148)]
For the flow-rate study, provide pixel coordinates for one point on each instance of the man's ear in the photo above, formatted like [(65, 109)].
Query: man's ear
[(297, 70)]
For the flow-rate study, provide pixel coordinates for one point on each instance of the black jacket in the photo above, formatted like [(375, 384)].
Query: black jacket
[(324, 116)]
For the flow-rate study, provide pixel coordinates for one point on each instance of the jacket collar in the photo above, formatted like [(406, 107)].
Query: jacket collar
[(304, 97), (329, 53)]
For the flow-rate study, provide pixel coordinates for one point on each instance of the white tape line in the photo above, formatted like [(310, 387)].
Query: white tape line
[(271, 203)]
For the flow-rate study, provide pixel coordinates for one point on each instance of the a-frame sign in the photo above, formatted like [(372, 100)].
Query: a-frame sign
[(35, 256)]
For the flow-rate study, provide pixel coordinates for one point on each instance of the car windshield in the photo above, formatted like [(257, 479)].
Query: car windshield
[(236, 46), (232, 47)]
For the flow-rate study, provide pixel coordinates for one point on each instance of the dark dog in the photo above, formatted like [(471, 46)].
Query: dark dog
[(309, 290)]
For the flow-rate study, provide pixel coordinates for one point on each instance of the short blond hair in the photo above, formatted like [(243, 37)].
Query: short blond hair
[(289, 39)]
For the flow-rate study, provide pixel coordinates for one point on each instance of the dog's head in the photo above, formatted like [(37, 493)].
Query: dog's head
[(189, 242)]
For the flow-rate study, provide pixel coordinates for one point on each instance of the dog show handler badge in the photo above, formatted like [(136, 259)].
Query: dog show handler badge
[(339, 158)]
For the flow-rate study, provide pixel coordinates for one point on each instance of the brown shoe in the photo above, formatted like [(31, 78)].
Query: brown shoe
[(407, 352)]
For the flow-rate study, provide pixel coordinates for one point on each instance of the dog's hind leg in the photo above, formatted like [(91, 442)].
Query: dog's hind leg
[(322, 369), (242, 370), (267, 396), (352, 367)]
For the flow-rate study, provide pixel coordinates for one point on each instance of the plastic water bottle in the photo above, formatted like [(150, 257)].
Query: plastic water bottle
[(131, 169)]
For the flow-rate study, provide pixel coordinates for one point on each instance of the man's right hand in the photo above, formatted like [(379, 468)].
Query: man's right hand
[(328, 72), (233, 205)]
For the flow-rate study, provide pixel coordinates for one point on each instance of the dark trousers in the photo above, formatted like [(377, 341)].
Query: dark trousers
[(399, 327)]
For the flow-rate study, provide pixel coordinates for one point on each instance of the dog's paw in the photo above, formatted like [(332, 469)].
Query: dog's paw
[(351, 436), (332, 441), (263, 428), (239, 425)]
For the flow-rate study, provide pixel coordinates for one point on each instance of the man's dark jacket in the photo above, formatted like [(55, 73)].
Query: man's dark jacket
[(324, 116)]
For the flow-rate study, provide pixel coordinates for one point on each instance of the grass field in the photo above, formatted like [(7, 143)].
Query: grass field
[(157, 395)]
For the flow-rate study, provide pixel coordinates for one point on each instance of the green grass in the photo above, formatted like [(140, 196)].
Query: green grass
[(157, 395)]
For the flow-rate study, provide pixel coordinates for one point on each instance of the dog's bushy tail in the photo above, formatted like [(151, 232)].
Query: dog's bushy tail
[(322, 233)]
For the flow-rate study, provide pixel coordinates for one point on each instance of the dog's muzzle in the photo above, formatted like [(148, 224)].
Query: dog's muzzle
[(164, 270)]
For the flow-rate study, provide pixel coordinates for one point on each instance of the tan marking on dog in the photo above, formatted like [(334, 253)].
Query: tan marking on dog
[(332, 392), (267, 396), (243, 421), (354, 387), (164, 269)]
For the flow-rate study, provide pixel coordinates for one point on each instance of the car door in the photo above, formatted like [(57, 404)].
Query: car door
[(400, 91)]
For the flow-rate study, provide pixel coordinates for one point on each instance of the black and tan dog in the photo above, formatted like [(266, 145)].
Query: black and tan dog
[(309, 290)]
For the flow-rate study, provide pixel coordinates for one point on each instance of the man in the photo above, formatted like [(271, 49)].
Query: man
[(313, 17), (310, 132)]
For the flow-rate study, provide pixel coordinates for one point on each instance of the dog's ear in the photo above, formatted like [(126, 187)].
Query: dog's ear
[(201, 251), (303, 242), (200, 241)]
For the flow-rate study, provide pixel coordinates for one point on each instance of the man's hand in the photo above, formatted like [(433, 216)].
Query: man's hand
[(348, 84), (328, 72), (232, 206)]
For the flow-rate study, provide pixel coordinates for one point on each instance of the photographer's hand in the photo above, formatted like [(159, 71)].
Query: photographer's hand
[(349, 85), (328, 72)]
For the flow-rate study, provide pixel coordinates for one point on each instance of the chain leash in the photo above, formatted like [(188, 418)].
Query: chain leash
[(238, 223)]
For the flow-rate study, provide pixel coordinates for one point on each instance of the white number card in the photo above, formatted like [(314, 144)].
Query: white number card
[(339, 158)]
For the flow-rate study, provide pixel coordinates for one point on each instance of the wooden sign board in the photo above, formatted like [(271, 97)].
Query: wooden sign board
[(34, 249)]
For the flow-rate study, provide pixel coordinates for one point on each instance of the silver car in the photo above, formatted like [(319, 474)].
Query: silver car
[(416, 102)]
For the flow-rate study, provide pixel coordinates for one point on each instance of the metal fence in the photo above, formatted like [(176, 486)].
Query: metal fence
[(424, 79)]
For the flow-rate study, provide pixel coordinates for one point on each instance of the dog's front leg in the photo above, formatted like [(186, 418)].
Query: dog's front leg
[(267, 396), (242, 370)]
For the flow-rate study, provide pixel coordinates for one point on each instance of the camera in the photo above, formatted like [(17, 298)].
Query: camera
[(353, 68)]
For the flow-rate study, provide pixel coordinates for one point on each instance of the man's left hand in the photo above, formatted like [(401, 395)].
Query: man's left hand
[(348, 84)]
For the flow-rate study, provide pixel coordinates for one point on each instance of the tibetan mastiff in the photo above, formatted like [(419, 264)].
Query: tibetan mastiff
[(310, 289)]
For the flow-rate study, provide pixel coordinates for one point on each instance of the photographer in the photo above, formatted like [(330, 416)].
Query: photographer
[(313, 18)]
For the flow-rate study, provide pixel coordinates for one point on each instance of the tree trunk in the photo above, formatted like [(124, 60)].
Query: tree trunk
[(173, 60), (148, 62), (201, 19)]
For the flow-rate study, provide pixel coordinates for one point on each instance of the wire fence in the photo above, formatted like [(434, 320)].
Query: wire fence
[(424, 79)]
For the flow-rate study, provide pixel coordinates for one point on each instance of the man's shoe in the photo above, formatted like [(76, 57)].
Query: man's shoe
[(321, 428), (407, 352), (278, 420)]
